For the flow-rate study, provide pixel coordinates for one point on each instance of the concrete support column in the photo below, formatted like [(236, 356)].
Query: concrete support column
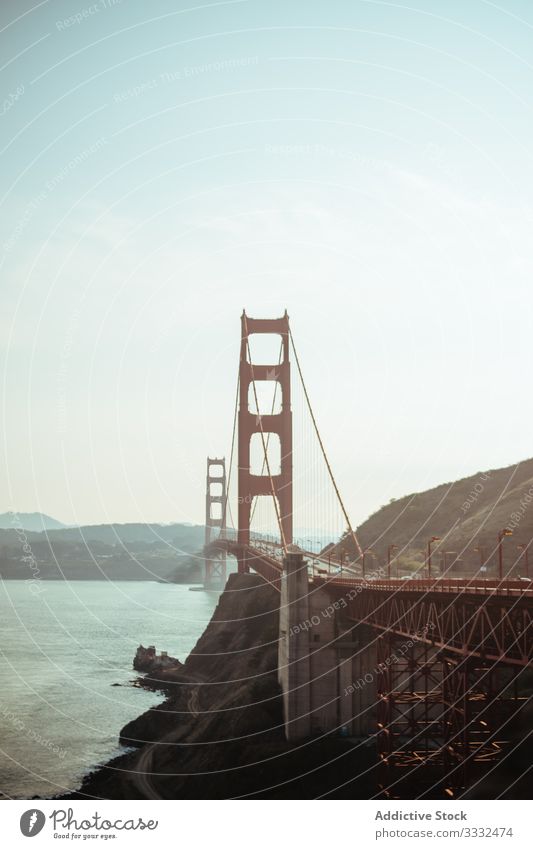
[(360, 694), (293, 658), (358, 681), (327, 672)]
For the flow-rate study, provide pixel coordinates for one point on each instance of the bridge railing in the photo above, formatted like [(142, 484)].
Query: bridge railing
[(317, 564), (228, 533), (330, 569), (485, 586)]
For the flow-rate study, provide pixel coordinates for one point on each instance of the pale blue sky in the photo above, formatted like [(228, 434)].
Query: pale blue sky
[(366, 165)]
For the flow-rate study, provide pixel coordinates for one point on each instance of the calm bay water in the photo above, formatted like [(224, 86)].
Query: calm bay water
[(60, 653)]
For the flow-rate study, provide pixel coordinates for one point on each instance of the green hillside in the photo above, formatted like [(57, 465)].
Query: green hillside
[(466, 514)]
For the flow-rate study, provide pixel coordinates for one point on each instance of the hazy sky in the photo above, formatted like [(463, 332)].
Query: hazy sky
[(366, 165)]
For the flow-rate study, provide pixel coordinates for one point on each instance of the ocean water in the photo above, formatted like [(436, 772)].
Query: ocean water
[(61, 651)]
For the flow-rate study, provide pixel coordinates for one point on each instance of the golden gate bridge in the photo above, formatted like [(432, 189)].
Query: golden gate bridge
[(434, 668)]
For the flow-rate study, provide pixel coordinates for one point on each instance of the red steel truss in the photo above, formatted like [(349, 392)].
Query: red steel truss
[(441, 720), (494, 625)]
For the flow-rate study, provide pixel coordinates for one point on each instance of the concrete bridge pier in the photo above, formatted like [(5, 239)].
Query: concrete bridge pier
[(358, 696), (293, 656), (326, 670)]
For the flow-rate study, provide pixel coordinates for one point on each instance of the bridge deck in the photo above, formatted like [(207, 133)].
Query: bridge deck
[(484, 619)]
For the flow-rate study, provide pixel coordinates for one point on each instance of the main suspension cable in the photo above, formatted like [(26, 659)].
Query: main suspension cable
[(306, 394)]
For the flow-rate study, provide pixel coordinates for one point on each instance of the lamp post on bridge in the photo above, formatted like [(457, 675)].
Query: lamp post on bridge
[(390, 550), (365, 552), (453, 562), (505, 532), (525, 548), (481, 550), (430, 541)]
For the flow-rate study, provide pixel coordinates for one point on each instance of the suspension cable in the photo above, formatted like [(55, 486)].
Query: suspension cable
[(260, 422), (345, 512)]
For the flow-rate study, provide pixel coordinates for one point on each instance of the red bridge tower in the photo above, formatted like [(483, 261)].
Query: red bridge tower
[(215, 518), (278, 486)]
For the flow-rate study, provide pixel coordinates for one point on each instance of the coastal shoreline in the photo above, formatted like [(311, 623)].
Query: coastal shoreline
[(219, 731)]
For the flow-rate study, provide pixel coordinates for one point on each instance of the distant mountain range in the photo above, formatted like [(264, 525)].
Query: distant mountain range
[(29, 521), (466, 514), (132, 551)]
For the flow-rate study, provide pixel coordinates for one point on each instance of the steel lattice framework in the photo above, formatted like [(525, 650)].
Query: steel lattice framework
[(494, 624)]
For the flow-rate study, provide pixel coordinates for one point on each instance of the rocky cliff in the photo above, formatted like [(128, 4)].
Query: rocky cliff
[(219, 732)]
